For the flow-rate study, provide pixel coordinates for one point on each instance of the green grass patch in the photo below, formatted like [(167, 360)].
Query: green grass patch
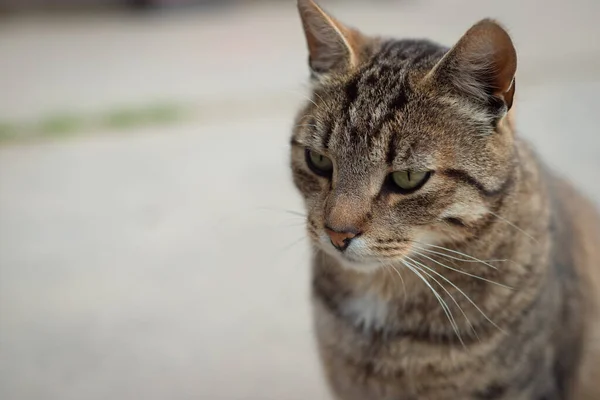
[(164, 113), (61, 125), (132, 117), (117, 119), (8, 131), (122, 119)]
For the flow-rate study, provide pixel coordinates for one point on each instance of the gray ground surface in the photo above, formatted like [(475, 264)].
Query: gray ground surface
[(158, 264)]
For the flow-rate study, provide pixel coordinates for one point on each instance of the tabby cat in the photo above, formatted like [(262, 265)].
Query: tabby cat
[(449, 262)]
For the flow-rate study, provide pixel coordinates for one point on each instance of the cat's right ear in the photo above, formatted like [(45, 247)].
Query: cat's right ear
[(332, 46)]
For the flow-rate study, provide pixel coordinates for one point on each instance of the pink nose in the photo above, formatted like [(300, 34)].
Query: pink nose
[(340, 240)]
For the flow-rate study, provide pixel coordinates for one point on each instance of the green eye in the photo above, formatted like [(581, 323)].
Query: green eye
[(318, 163), (409, 181)]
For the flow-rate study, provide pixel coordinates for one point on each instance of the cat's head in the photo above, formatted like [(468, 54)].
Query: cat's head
[(404, 142)]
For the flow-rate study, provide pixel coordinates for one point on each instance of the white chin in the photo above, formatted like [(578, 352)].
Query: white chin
[(365, 267), (347, 260)]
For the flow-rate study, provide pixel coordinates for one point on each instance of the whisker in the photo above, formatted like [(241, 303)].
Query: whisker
[(305, 125), (456, 252), (303, 96), (310, 116), (440, 300), (387, 269), (283, 210), (295, 242), (461, 292), (463, 272), (319, 96), (280, 252), (294, 223), (514, 226), (451, 297), (403, 284), (461, 259)]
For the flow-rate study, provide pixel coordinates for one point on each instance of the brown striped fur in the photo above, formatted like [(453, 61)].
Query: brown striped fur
[(513, 250)]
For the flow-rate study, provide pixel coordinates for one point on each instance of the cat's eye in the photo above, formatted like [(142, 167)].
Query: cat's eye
[(318, 163), (409, 181)]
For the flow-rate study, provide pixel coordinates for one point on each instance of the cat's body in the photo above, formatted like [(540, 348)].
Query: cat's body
[(476, 275)]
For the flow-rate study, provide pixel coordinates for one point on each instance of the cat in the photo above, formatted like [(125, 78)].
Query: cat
[(449, 262)]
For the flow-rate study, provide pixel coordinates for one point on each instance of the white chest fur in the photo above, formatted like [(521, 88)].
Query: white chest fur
[(367, 311)]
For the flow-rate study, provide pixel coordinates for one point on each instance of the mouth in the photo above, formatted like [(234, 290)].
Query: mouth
[(356, 257)]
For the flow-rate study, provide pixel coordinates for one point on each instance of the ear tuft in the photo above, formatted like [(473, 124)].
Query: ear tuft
[(481, 65), (332, 46)]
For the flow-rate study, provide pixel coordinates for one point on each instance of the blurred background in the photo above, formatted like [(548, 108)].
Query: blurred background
[(148, 243)]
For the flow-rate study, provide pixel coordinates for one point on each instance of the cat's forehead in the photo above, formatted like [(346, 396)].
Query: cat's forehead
[(380, 113), (384, 128), (385, 77)]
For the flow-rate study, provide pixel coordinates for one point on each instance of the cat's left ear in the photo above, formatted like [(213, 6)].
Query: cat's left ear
[(332, 46), (481, 65)]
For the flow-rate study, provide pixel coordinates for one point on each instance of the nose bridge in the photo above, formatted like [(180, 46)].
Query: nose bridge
[(349, 202), (347, 209)]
